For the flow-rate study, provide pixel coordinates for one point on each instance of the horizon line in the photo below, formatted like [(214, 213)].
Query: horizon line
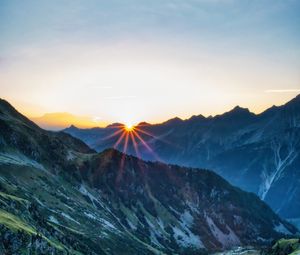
[(144, 121)]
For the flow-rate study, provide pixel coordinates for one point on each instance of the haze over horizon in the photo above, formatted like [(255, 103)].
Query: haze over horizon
[(62, 120), (186, 127), (148, 61)]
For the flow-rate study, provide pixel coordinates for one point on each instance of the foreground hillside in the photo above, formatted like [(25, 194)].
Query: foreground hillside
[(57, 196), (259, 153), (285, 246)]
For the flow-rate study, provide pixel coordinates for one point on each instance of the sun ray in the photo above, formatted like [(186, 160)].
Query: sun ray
[(130, 133), (126, 143), (122, 163), (112, 135), (145, 132), (142, 140), (119, 140), (146, 145), (155, 137), (135, 145)]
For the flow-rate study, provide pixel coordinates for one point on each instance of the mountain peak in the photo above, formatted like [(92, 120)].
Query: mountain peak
[(4, 105), (197, 117), (175, 120), (239, 109), (114, 125), (73, 127), (7, 109), (295, 100), (143, 123), (237, 114), (293, 105)]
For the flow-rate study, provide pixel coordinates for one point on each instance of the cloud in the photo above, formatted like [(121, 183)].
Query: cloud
[(100, 87), (119, 97), (96, 119), (282, 90)]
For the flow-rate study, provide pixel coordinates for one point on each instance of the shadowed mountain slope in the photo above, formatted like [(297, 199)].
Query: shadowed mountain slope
[(57, 196), (259, 153)]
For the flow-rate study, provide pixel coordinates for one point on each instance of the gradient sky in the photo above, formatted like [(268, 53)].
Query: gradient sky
[(136, 60)]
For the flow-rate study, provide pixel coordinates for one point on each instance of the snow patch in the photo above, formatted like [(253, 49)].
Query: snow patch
[(16, 159), (187, 239), (227, 240), (69, 217), (155, 229), (107, 224), (131, 225), (173, 210), (182, 233), (193, 207), (40, 202), (70, 155), (160, 223), (154, 239), (53, 220), (187, 219), (149, 223), (280, 163), (85, 192), (282, 229), (89, 215)]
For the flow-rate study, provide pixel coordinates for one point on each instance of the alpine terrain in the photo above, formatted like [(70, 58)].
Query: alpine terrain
[(258, 152), (58, 196)]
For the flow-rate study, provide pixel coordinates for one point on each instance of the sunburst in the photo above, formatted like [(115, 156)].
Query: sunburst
[(128, 133), (135, 135), (129, 127)]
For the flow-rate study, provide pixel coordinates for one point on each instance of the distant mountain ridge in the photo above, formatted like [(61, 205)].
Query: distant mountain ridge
[(58, 196), (59, 120), (257, 152)]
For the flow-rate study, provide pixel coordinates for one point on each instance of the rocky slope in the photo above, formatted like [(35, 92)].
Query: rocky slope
[(57, 196), (259, 153)]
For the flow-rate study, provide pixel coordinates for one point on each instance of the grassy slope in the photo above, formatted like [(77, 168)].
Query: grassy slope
[(35, 199), (37, 202), (54, 200), (285, 247)]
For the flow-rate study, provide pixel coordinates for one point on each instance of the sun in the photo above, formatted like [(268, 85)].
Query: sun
[(129, 127), (131, 135)]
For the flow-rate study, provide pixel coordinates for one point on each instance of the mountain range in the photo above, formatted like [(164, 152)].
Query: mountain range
[(59, 120), (259, 153), (58, 196)]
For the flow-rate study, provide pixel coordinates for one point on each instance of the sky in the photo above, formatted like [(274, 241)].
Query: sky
[(139, 60)]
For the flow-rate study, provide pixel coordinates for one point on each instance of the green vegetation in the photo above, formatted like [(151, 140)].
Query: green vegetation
[(17, 225), (285, 247), (54, 203), (7, 196), (14, 223)]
